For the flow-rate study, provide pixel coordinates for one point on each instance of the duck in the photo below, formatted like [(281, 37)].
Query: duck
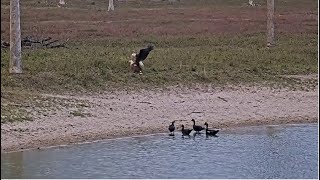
[(197, 128), (185, 132), (172, 128), (210, 132)]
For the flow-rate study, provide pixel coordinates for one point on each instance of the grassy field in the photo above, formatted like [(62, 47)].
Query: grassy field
[(196, 42)]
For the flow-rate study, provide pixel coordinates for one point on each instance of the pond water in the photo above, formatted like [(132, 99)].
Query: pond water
[(284, 151)]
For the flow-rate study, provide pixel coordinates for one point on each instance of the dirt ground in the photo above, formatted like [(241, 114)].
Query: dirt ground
[(119, 114)]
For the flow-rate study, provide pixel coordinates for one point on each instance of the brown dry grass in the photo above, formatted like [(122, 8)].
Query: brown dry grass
[(83, 21)]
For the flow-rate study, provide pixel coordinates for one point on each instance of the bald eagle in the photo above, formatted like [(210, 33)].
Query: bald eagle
[(136, 62), (136, 68)]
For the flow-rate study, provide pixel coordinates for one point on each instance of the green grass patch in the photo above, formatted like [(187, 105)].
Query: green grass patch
[(21, 105), (78, 113), (12, 113), (220, 60)]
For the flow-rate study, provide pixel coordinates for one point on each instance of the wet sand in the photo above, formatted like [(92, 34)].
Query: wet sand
[(122, 113)]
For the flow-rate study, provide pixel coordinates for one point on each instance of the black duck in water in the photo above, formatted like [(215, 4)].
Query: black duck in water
[(172, 128), (185, 132), (210, 132), (196, 128)]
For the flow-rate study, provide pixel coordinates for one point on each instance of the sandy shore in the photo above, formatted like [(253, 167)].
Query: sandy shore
[(118, 114)]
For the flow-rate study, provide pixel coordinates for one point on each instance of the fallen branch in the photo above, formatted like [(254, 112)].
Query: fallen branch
[(144, 102), (222, 99), (179, 102), (28, 41), (193, 112), (46, 39), (50, 42), (58, 45)]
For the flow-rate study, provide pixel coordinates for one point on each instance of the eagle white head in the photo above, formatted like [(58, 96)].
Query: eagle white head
[(133, 58)]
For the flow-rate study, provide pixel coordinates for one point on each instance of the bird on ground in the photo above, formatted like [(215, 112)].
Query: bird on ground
[(143, 53), (210, 132), (136, 68), (140, 57), (172, 128), (197, 128), (185, 132)]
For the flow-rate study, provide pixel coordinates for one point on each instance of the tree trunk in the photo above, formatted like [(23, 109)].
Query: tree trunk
[(61, 2), (15, 38), (111, 6), (270, 23), (251, 3)]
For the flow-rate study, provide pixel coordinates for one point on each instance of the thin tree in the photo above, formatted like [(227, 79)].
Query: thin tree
[(270, 23), (15, 65), (251, 3), (61, 2), (111, 6)]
